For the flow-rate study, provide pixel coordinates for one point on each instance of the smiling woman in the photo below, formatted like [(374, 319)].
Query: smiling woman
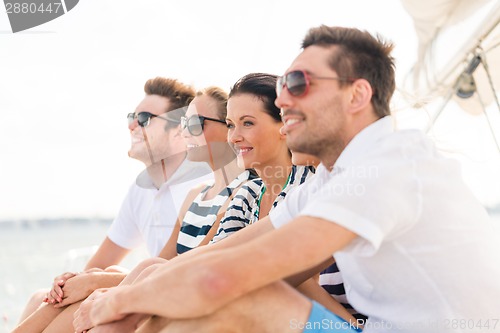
[(254, 124), (205, 134)]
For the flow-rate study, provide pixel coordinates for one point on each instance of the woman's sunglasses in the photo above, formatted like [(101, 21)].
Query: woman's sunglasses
[(144, 118), (297, 82), (195, 124)]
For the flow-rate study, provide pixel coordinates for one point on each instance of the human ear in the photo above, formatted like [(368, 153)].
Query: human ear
[(361, 95)]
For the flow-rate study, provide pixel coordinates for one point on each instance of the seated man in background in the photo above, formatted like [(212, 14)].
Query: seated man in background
[(149, 210)]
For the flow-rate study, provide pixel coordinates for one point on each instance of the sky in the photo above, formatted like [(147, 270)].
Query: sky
[(67, 85)]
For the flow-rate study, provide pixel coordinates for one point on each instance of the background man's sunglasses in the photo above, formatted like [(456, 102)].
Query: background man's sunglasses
[(144, 118), (297, 82), (195, 124)]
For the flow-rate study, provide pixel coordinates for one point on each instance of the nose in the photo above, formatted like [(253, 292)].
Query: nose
[(233, 135), (284, 99), (132, 125)]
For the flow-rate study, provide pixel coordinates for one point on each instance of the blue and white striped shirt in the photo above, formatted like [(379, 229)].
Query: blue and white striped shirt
[(237, 218), (202, 214)]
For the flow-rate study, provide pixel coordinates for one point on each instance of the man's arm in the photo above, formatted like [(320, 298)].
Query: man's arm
[(214, 278), (253, 231), (314, 291), (242, 236), (108, 254), (301, 277)]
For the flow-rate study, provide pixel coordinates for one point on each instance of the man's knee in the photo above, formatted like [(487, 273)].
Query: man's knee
[(150, 262), (116, 269)]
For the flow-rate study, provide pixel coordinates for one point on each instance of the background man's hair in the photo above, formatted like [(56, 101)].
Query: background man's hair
[(178, 94)]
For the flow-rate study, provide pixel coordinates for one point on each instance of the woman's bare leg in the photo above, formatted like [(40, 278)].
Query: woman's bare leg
[(64, 321), (39, 319), (33, 304)]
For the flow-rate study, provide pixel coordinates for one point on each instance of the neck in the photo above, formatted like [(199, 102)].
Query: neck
[(359, 123), (163, 170), (331, 156), (226, 174), (275, 177)]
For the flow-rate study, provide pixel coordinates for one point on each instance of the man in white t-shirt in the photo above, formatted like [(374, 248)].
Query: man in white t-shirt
[(150, 208), (417, 252)]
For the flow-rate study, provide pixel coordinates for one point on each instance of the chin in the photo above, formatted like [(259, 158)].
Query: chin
[(195, 155), (241, 162), (132, 154)]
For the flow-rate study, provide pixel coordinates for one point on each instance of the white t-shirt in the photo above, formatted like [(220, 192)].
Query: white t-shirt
[(148, 215), (427, 258)]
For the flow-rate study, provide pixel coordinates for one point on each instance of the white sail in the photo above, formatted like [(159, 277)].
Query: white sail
[(456, 36)]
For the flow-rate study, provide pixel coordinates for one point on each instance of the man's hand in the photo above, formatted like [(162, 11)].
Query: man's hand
[(99, 308)]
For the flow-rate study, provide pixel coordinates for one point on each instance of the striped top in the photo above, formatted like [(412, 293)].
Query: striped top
[(237, 218), (202, 214), (298, 175), (331, 280)]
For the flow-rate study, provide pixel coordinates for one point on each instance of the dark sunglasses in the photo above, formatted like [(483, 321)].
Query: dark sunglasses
[(144, 118), (195, 123), (297, 82)]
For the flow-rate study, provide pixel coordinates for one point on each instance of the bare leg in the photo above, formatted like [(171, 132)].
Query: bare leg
[(34, 303), (126, 325), (39, 319), (64, 321), (132, 276), (275, 308), (116, 269), (153, 324)]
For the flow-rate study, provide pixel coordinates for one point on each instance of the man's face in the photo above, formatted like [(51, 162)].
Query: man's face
[(315, 122), (152, 143)]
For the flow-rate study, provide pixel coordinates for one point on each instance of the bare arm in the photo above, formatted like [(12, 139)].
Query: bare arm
[(76, 289), (244, 235), (314, 291), (214, 278), (82, 285), (255, 230), (299, 278), (169, 251), (108, 254)]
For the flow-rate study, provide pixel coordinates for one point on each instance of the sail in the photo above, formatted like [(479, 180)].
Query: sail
[(458, 51)]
